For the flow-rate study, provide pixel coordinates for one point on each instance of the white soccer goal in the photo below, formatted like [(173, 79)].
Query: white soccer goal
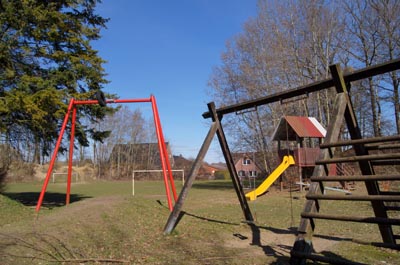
[(58, 177), (151, 171)]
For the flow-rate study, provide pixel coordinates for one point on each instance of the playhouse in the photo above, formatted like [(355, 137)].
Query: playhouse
[(298, 145), (300, 137)]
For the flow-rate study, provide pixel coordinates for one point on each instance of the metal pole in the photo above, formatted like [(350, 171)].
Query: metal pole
[(164, 149), (133, 183), (71, 155), (110, 101), (53, 159), (161, 144)]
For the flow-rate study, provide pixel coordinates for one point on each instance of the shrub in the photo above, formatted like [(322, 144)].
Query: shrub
[(222, 174)]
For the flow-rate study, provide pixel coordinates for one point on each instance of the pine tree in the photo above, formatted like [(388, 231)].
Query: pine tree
[(46, 58)]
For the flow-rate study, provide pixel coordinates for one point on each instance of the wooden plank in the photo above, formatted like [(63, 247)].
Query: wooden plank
[(388, 198), (356, 178), (378, 146), (392, 208), (361, 141), (230, 163), (304, 90), (385, 163), (176, 212), (346, 218), (359, 158)]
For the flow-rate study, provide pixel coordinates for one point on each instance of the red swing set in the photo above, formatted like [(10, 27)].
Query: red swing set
[(165, 163)]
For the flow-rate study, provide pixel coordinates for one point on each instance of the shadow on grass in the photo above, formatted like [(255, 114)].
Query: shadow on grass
[(205, 219), (217, 185), (279, 250), (222, 185), (290, 230), (51, 199), (183, 213)]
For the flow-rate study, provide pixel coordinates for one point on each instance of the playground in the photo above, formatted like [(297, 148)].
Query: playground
[(105, 224)]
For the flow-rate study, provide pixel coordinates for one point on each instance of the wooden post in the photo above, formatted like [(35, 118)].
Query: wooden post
[(176, 212), (230, 163)]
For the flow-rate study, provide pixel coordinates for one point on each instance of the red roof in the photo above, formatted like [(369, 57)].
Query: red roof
[(291, 126)]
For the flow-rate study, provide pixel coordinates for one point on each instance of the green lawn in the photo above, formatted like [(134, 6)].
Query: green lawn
[(105, 224)]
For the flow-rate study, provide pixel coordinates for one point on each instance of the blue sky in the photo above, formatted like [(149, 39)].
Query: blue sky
[(168, 49)]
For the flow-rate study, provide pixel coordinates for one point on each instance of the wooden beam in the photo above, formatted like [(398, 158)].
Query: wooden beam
[(359, 158), (176, 212), (230, 163), (304, 90), (369, 220), (388, 198), (361, 141), (356, 178)]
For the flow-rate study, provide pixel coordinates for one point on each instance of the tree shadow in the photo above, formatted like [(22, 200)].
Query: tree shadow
[(50, 200), (213, 185)]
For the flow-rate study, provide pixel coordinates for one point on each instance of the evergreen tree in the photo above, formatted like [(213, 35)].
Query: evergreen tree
[(46, 58)]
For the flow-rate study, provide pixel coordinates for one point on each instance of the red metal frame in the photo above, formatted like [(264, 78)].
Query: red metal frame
[(165, 163)]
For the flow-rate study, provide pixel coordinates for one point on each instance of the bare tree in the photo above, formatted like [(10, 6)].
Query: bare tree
[(373, 30), (288, 44), (292, 43), (387, 13), (126, 128)]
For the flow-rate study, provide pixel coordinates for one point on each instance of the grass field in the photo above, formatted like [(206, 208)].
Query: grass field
[(105, 224)]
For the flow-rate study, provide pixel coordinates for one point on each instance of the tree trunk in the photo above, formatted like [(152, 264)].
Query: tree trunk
[(375, 106), (36, 152)]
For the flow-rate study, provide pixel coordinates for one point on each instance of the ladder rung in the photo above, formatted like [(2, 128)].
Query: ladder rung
[(396, 236), (361, 141), (359, 158), (382, 146), (370, 220), (395, 193), (388, 198), (392, 208), (356, 178), (385, 163)]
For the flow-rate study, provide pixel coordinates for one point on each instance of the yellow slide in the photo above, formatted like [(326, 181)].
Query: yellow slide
[(286, 162)]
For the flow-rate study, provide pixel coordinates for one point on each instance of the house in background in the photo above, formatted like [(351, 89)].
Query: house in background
[(246, 166), (206, 171)]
